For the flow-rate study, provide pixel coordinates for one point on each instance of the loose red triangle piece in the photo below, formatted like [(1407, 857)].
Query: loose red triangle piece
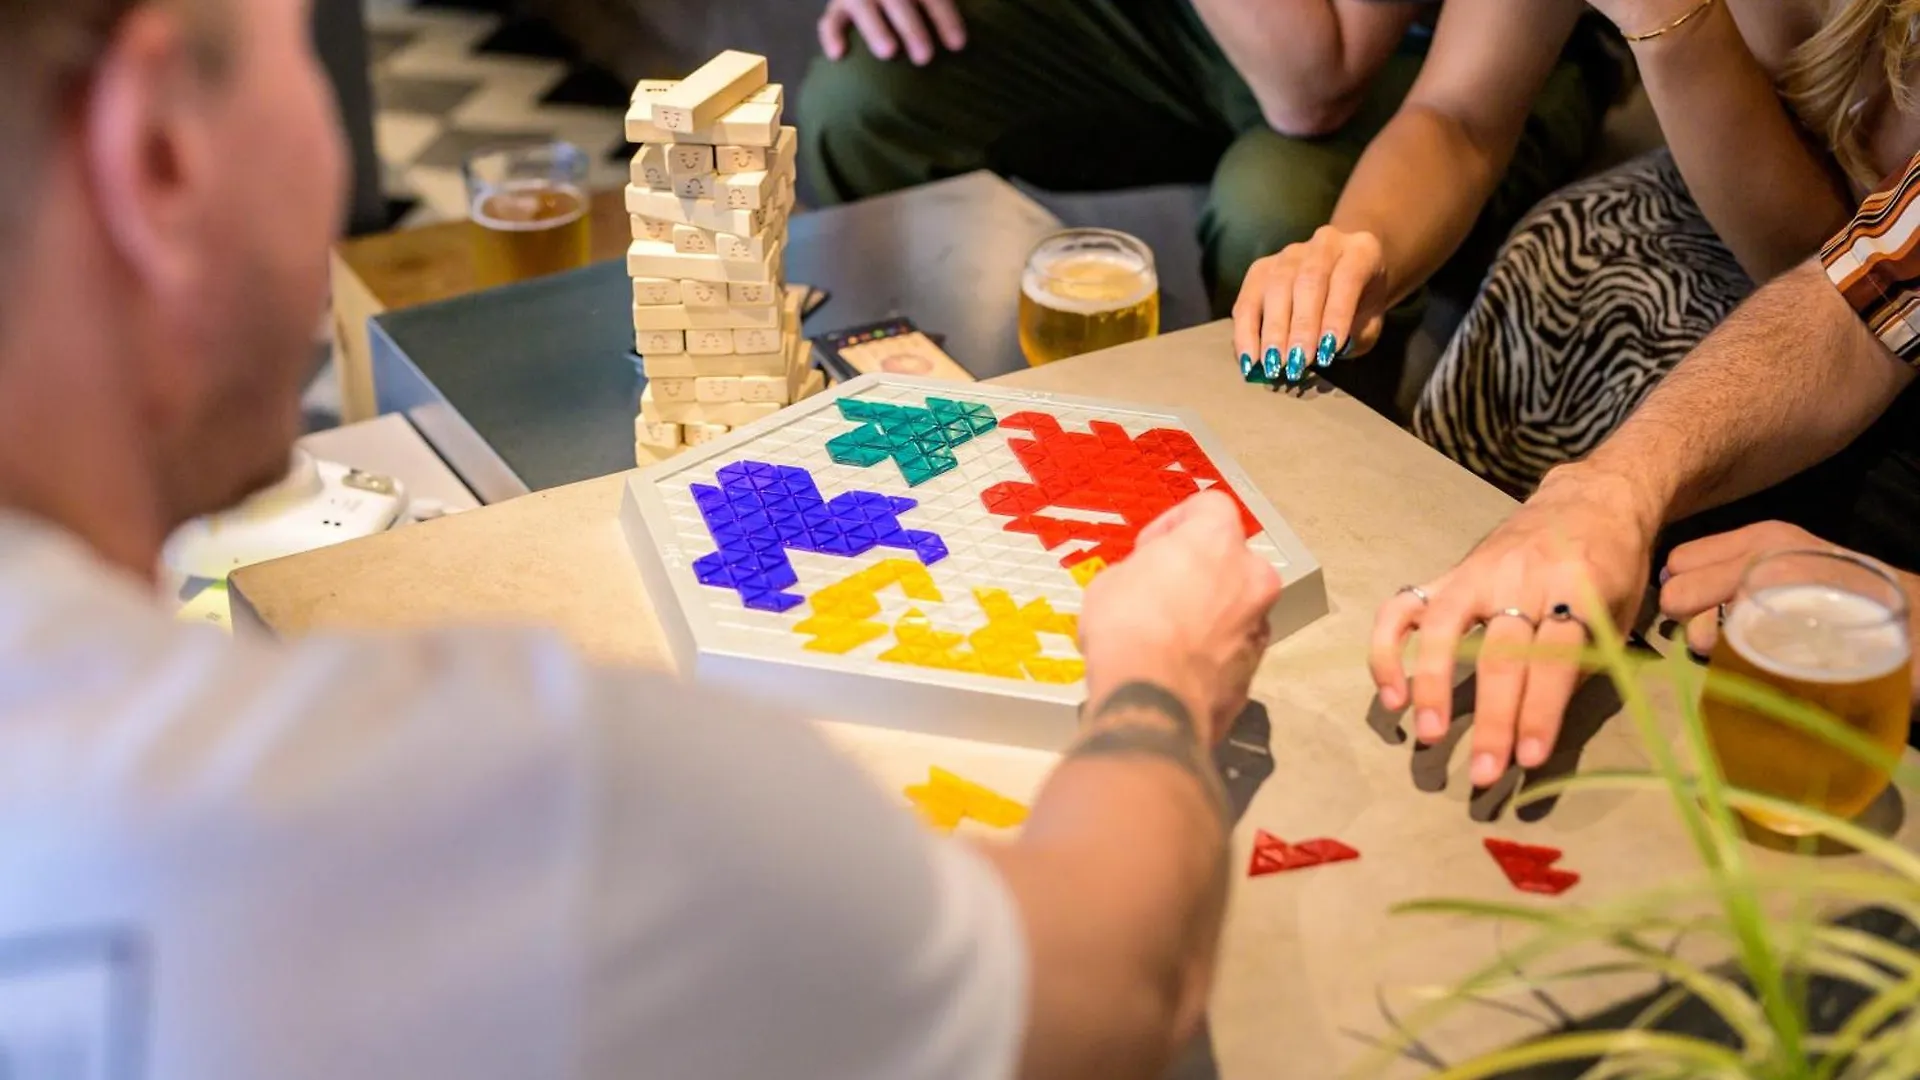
[(1530, 868), (1546, 881), (1327, 850), (1502, 850), (1271, 855)]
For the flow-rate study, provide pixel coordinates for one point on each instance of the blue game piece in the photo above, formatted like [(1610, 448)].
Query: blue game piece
[(761, 511)]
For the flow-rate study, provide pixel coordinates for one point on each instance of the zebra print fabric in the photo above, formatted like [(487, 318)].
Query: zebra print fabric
[(1598, 293)]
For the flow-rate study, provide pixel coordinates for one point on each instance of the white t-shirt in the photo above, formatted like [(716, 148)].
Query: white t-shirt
[(463, 855)]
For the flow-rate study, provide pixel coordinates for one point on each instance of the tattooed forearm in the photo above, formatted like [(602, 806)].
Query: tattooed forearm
[(1144, 720)]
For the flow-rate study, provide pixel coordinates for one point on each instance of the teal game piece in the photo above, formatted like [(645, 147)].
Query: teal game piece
[(920, 441)]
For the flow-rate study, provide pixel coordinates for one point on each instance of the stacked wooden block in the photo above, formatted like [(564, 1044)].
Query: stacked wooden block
[(718, 335)]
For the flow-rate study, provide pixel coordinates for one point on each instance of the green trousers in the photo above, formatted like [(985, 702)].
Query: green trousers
[(1092, 95)]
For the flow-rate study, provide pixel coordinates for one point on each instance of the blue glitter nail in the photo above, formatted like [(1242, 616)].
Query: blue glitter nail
[(1296, 364), (1246, 364), (1272, 363), (1328, 346)]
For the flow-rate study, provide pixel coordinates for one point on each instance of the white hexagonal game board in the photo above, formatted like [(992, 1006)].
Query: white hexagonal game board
[(912, 553)]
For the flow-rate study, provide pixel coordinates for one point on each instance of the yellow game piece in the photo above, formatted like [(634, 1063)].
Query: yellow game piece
[(1048, 669), (1087, 569), (980, 802), (941, 807)]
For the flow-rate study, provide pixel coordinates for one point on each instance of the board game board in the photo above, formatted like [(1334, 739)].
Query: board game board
[(912, 553)]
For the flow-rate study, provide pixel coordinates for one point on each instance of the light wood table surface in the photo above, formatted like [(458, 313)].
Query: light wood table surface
[(1309, 957)]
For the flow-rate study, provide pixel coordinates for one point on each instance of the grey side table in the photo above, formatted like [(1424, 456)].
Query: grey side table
[(531, 386)]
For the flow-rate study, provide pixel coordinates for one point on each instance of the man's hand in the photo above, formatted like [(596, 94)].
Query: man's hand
[(1187, 611), (1311, 302), (886, 23), (1706, 573), (1580, 535)]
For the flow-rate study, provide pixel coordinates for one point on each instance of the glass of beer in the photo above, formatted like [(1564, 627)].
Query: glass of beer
[(529, 209), (1086, 289), (1829, 629)]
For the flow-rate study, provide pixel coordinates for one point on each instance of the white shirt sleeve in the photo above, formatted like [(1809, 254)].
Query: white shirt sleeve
[(472, 856)]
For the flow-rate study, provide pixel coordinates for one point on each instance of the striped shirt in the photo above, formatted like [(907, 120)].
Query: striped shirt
[(1875, 263)]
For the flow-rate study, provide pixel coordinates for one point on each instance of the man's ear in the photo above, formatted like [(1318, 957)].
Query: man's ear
[(148, 156)]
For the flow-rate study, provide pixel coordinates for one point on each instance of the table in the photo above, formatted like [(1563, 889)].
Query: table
[(408, 267), (1307, 958), (532, 386)]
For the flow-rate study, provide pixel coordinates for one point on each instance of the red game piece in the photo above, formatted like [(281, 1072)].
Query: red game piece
[(1272, 855), (1530, 867), (1503, 850), (1327, 850), (1545, 881)]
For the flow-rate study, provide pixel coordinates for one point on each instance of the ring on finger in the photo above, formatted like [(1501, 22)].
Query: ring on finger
[(1515, 613), (1563, 613), (1414, 591)]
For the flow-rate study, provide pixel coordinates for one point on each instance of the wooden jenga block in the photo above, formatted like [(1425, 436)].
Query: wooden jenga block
[(695, 434), (670, 390), (700, 186), (752, 292), (714, 88), (760, 388), (656, 291), (650, 166), (666, 206), (729, 414), (813, 382), (685, 366), (652, 88), (687, 158), (745, 191), (756, 246), (756, 122), (738, 159), (709, 342), (659, 342), (716, 390), (703, 294), (650, 258), (689, 240), (757, 340), (645, 454), (646, 228), (766, 320), (656, 432)]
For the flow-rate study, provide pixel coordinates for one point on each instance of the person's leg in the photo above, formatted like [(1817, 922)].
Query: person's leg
[(1271, 190), (1598, 293), (1081, 96)]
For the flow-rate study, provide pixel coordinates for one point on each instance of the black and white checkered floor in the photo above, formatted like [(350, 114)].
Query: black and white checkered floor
[(451, 76)]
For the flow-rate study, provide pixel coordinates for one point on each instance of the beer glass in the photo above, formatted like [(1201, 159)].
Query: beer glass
[(1830, 629), (529, 211), (1086, 289)]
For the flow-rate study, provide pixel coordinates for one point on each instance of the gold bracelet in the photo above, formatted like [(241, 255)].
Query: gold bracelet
[(1699, 10)]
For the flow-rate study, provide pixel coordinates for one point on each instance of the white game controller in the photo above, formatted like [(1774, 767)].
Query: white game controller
[(317, 504)]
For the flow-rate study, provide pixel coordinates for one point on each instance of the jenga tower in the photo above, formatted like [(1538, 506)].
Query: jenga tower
[(712, 186)]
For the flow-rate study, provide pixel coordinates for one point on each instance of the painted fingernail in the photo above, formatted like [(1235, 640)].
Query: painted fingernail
[(1296, 364), (1532, 752), (1666, 575), (1271, 362), (1328, 346), (1246, 364), (1427, 725), (1485, 770)]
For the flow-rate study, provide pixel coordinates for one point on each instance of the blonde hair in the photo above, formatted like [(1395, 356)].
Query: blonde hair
[(1826, 80)]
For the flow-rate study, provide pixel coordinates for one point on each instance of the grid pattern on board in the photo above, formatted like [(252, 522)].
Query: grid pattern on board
[(981, 553)]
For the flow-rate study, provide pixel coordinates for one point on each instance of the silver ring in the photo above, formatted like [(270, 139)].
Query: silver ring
[(1515, 613), (1416, 591)]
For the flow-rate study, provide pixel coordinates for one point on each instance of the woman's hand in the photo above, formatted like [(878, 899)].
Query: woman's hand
[(1325, 298)]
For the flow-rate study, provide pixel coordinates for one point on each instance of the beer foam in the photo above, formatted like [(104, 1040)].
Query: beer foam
[(1034, 283), (475, 208), (1817, 633)]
